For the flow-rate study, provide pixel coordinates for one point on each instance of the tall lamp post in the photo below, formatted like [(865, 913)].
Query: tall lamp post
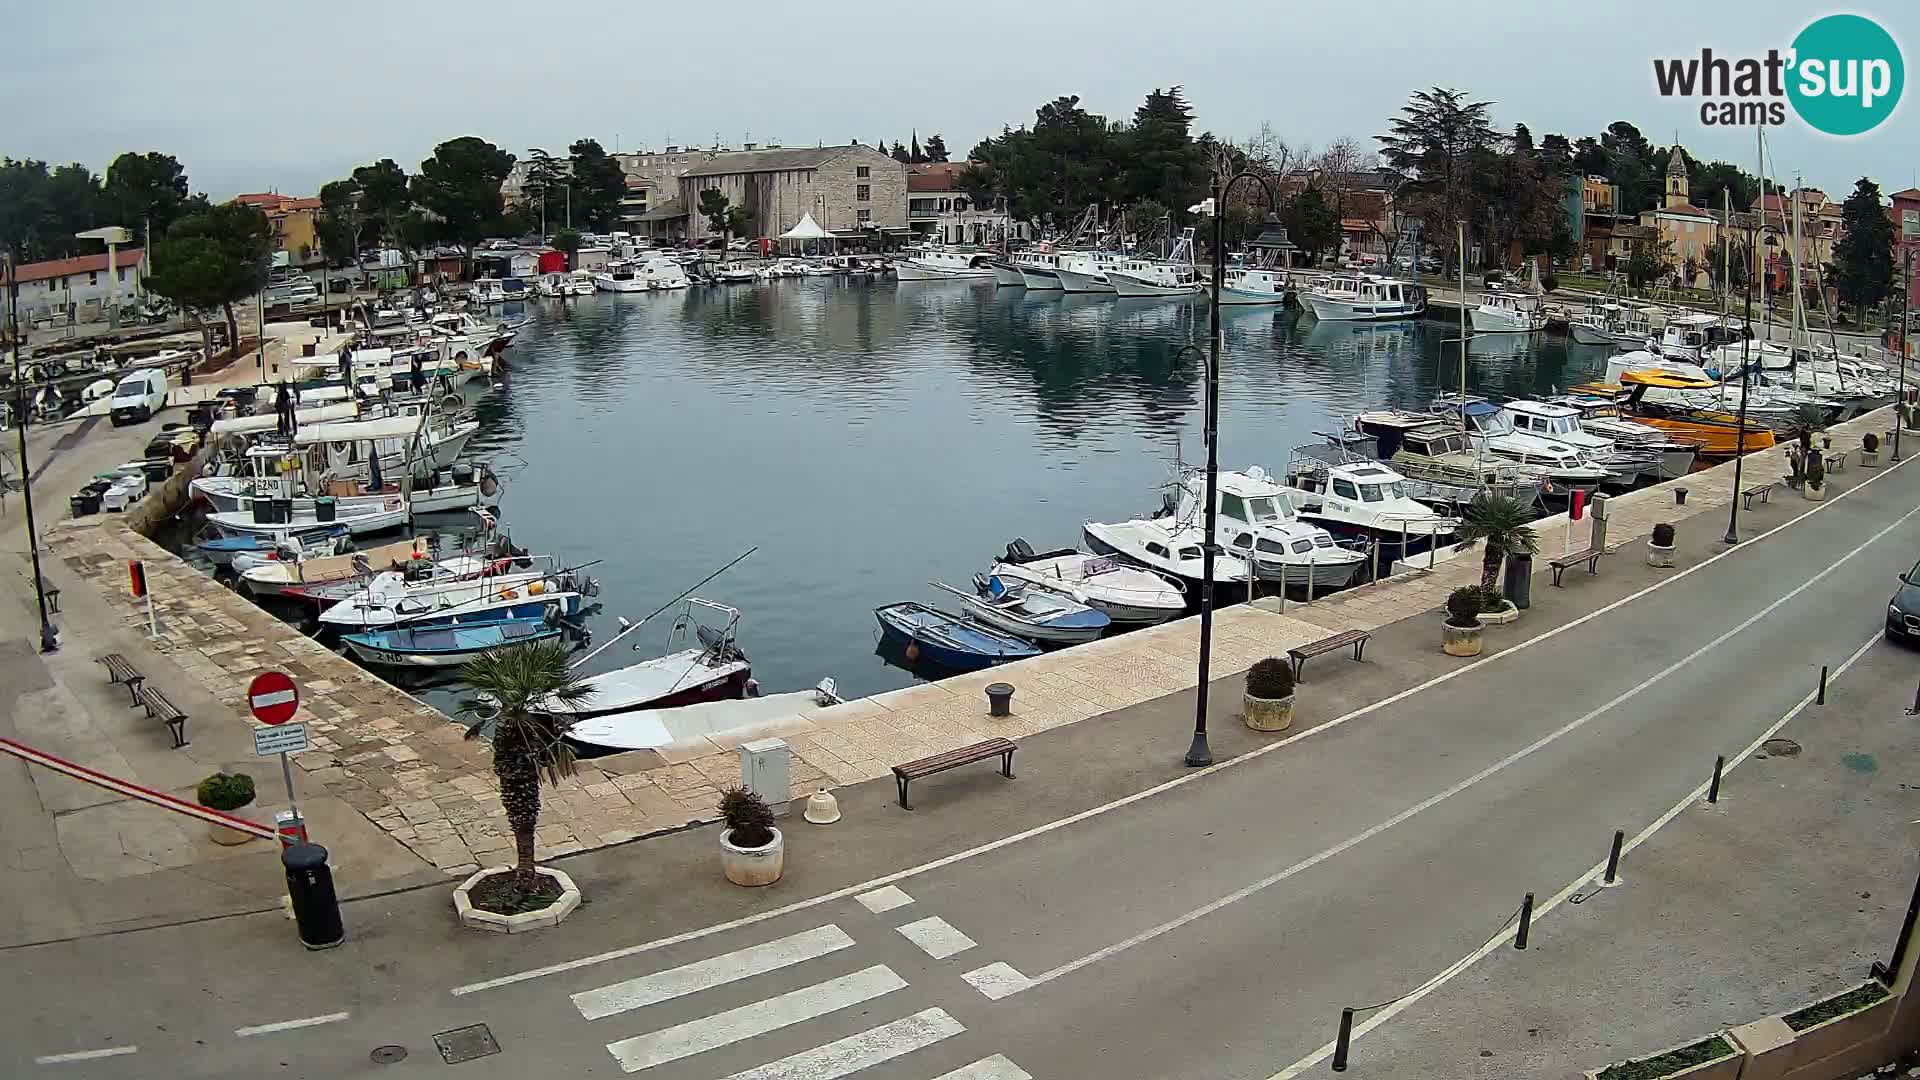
[(1740, 424), (1906, 295), (49, 641), (1199, 754)]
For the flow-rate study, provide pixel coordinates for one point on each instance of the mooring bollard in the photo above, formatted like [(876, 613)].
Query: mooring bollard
[(1822, 699), (1526, 922), (1341, 1041), (1679, 496), (1713, 789), (1613, 858), (999, 699)]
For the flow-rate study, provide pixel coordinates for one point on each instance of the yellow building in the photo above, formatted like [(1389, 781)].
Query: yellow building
[(292, 222), (1684, 230)]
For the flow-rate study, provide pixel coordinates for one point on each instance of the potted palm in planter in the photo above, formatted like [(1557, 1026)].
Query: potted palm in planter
[(752, 851), (1461, 634), (1660, 546), (225, 792), (1268, 705), (1869, 451), (1504, 524), (1814, 488), (1495, 609), (525, 705)]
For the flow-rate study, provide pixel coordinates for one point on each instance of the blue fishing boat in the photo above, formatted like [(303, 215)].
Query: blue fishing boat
[(445, 646), (952, 641), (221, 550)]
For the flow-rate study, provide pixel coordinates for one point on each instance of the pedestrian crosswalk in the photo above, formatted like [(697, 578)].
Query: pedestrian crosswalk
[(821, 1004)]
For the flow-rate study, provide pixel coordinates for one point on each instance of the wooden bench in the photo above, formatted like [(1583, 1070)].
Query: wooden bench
[(1590, 556), (1355, 638), (120, 671), (159, 708), (1837, 461), (1763, 492), (953, 759)]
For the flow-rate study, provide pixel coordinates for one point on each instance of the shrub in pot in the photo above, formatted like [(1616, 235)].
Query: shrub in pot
[(1660, 546), (1869, 451), (225, 792), (1815, 486), (1268, 705), (752, 851), (1461, 634)]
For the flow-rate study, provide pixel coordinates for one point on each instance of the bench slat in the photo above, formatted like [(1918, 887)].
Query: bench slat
[(1330, 644), (907, 772)]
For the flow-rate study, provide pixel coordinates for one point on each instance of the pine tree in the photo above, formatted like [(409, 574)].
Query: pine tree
[(1863, 259)]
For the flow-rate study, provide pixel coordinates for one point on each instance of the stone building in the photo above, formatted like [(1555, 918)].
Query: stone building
[(1689, 230), (850, 190)]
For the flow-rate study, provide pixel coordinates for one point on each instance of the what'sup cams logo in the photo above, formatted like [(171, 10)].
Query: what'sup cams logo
[(1842, 76)]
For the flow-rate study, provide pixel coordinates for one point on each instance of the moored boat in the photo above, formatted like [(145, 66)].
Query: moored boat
[(445, 646), (1039, 616), (1126, 593), (948, 640)]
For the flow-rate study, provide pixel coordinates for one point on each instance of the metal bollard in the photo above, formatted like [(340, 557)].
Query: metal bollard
[(1342, 1040), (316, 910), (1613, 858), (1822, 699), (1526, 922), (1679, 496), (1713, 789)]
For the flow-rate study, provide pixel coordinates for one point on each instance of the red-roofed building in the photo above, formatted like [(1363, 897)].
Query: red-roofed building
[(1689, 231), (78, 286), (1906, 239), (293, 223), (939, 209)]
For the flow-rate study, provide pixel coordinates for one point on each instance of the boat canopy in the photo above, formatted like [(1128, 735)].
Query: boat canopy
[(242, 425), (385, 427), (1480, 408)]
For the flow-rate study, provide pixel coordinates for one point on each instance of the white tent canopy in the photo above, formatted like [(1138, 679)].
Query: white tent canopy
[(807, 229)]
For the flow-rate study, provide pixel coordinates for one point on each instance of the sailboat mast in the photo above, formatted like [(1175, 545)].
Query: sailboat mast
[(1799, 308), (1461, 240)]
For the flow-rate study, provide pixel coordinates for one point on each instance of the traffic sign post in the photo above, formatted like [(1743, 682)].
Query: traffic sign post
[(274, 699), (137, 581)]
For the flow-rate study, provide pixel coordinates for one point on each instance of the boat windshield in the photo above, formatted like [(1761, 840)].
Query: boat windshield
[(1373, 492), (1562, 425), (1267, 508)]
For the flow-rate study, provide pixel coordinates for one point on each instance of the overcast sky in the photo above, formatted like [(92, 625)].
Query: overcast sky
[(252, 97)]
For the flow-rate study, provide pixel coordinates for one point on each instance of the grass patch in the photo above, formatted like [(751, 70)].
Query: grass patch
[(1839, 1005), (1712, 1049)]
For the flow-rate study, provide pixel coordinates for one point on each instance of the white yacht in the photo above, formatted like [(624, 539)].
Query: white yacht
[(1352, 495), (1086, 271), (1602, 324), (1258, 521), (944, 264), (1601, 416), (662, 272), (620, 276), (1125, 592), (1441, 465), (579, 283), (1163, 546), (1174, 275), (551, 285), (1492, 429), (1348, 297), (1508, 313), (1693, 337), (1563, 423), (489, 291)]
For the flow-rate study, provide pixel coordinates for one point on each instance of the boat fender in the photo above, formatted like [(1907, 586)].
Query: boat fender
[(489, 487), (913, 650)]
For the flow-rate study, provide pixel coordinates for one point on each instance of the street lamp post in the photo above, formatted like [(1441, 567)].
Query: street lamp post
[(1200, 754), (1740, 420), (1906, 295), (49, 641)]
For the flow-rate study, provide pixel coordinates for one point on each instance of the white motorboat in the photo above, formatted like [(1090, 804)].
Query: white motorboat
[(431, 441), (579, 283), (1508, 313), (292, 549), (279, 577), (1692, 337), (654, 729), (1039, 615), (551, 284), (661, 272), (1365, 297), (488, 291), (389, 598), (1351, 495), (621, 276), (712, 669), (1039, 267), (1126, 593), (735, 274), (1255, 285), (1006, 275), (1086, 271), (1491, 428), (390, 513), (1258, 521), (1601, 416), (1165, 547), (944, 264), (1134, 278), (1441, 466), (1603, 324), (1563, 423)]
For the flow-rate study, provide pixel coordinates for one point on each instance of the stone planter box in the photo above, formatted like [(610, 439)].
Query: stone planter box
[(753, 866), (1869, 459), (551, 915), (1507, 614), (1461, 640), (1658, 556), (226, 837), (1267, 714), (1814, 494), (1842, 1045), (1722, 1068)]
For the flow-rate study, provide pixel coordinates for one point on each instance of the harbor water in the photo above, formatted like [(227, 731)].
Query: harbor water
[(869, 438)]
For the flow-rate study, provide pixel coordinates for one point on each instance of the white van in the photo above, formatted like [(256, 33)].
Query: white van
[(139, 395)]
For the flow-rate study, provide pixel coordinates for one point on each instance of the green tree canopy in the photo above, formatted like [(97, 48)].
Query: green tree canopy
[(41, 209), (341, 221), (1436, 140), (598, 186), (213, 259), (713, 206), (460, 186), (1312, 223), (1863, 259), (936, 148), (567, 240), (145, 192)]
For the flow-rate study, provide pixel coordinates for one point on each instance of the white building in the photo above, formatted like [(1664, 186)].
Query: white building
[(938, 210), (78, 289)]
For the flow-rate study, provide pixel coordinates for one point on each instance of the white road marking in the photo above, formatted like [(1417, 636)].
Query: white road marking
[(884, 899), (1434, 800), (85, 1055), (996, 1067), (1591, 876), (289, 1025), (997, 980), (757, 1018), (1188, 777), (844, 1057), (936, 937), (716, 971)]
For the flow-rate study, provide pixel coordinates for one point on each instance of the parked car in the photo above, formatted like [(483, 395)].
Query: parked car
[(139, 395), (1903, 609)]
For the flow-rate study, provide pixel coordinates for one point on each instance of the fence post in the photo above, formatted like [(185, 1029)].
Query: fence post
[(1342, 1040), (1613, 858), (1713, 790), (1526, 922)]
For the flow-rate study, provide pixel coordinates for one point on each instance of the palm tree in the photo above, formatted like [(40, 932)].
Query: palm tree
[(515, 683), (1504, 523)]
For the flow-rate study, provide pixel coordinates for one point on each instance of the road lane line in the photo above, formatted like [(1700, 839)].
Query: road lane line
[(1592, 874), (289, 1025), (844, 1057), (996, 1067), (936, 937), (1186, 777), (997, 980), (757, 1018), (883, 900), (84, 1055), (715, 971)]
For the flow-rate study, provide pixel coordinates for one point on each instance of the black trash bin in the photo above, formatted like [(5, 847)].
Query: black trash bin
[(1518, 584), (283, 511), (316, 910), (324, 508)]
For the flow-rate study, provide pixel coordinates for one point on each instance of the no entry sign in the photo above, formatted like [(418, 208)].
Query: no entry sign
[(273, 697)]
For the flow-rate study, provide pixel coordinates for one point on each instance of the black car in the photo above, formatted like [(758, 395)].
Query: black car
[(1903, 611)]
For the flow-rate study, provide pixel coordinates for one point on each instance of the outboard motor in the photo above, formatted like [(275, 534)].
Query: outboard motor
[(1019, 551)]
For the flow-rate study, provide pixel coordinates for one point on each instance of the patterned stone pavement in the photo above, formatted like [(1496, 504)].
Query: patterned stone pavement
[(408, 768)]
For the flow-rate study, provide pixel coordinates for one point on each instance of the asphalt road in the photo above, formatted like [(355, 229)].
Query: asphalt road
[(1213, 929)]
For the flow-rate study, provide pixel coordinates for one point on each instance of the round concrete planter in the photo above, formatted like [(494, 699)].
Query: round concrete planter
[(1461, 640), (551, 915), (1869, 459), (1813, 494), (753, 866), (1507, 613), (226, 837), (1659, 556), (1267, 714)]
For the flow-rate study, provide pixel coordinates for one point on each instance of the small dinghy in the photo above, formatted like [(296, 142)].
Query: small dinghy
[(1037, 615), (445, 646), (949, 640), (222, 549), (651, 729), (715, 670)]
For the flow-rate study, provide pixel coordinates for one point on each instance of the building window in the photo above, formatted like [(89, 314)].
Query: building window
[(866, 215), (123, 273), (863, 193), (93, 277), (862, 172)]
